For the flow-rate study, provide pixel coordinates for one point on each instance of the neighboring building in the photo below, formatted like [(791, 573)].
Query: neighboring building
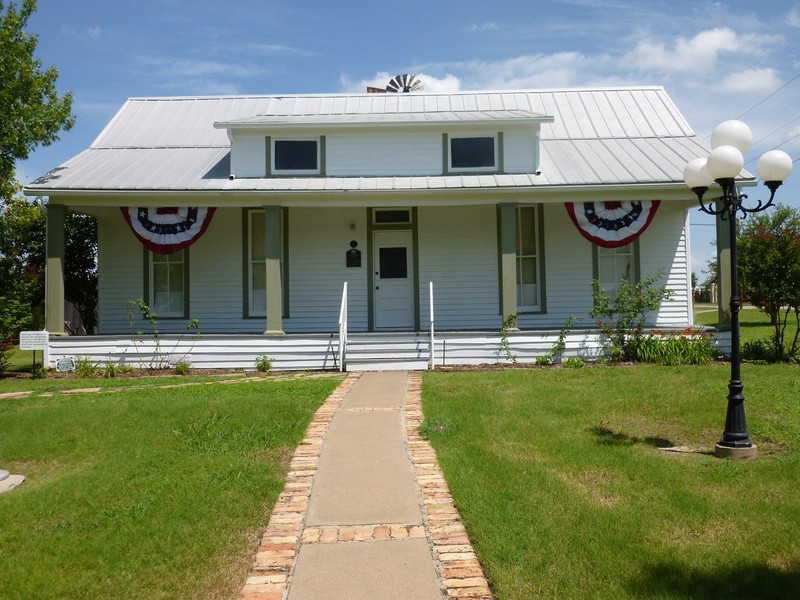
[(250, 213)]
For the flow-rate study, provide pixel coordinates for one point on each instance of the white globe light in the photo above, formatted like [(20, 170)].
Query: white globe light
[(696, 175), (732, 133), (725, 162), (774, 165)]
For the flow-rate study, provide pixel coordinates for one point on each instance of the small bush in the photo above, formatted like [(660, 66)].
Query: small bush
[(181, 367), (263, 363), (542, 361), (86, 369), (689, 347), (572, 362)]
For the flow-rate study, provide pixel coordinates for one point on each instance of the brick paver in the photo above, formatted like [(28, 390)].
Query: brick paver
[(458, 569)]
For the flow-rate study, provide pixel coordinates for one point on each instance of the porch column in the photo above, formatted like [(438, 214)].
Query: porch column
[(54, 270), (272, 237), (723, 273), (507, 233)]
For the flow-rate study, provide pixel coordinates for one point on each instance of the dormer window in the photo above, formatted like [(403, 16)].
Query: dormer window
[(296, 157), (473, 153)]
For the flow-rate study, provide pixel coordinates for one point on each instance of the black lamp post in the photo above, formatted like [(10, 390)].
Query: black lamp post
[(729, 141)]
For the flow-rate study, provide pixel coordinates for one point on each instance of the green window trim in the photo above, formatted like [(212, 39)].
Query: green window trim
[(541, 307), (147, 279), (246, 229)]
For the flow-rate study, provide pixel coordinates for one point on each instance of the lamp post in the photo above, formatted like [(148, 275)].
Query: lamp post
[(729, 141)]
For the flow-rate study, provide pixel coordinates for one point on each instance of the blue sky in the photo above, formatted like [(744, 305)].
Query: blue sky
[(717, 60)]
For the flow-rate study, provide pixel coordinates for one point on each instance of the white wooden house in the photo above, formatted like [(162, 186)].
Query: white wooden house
[(250, 213)]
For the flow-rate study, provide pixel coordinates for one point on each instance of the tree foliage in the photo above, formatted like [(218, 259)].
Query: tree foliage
[(31, 111), (22, 266), (769, 270)]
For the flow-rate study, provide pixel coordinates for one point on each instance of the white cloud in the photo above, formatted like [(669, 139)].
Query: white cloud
[(698, 54), (794, 17), (488, 26), (751, 81)]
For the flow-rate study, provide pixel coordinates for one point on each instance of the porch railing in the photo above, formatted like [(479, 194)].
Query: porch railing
[(432, 358), (343, 329)]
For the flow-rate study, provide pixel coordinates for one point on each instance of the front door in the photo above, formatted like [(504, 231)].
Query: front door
[(393, 280)]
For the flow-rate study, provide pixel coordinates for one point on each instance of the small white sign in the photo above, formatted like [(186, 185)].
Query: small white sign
[(64, 364), (33, 340)]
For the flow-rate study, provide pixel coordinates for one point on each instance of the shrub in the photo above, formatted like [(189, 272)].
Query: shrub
[(86, 369), (181, 367), (572, 362), (263, 363), (689, 347), (621, 318)]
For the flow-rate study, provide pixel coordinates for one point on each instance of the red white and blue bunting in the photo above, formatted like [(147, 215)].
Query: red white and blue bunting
[(167, 230), (612, 224)]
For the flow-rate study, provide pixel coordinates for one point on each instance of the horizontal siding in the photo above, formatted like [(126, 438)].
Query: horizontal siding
[(391, 152), (249, 155), (458, 253), (318, 241), (120, 272), (519, 151)]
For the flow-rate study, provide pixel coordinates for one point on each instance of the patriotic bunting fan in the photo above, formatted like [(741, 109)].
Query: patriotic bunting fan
[(612, 224), (167, 230)]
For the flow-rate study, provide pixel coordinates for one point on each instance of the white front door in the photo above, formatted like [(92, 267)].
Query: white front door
[(393, 280)]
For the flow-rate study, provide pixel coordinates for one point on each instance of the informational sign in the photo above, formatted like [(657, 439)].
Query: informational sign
[(64, 364), (33, 340)]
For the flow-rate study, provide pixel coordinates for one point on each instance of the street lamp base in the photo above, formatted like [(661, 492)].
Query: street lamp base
[(745, 453)]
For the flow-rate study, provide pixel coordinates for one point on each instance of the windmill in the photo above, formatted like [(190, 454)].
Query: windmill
[(399, 83)]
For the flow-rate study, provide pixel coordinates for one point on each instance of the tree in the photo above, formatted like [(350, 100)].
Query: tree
[(769, 270), (31, 111), (22, 266)]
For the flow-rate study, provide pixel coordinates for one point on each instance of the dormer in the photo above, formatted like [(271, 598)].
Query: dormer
[(385, 144)]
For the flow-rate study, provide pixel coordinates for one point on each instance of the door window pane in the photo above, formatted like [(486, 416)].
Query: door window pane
[(167, 284), (393, 263)]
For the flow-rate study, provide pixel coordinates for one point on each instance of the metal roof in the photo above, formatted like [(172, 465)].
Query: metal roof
[(596, 137), (397, 119)]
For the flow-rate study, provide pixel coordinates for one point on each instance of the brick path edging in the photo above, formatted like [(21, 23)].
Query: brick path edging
[(458, 569), (269, 577)]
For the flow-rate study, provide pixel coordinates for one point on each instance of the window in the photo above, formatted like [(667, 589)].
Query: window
[(473, 153), (613, 265), (256, 265), (169, 283), (529, 290), (295, 157), (391, 216)]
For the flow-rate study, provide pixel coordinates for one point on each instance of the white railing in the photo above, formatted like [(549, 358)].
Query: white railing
[(432, 360), (343, 329)]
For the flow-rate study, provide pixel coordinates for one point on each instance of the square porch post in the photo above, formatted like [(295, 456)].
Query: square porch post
[(272, 241), (54, 269), (507, 225)]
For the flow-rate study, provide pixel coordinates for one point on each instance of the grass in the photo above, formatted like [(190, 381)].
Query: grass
[(565, 493), (145, 493), (753, 323)]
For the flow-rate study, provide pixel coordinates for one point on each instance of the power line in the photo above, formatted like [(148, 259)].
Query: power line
[(757, 104)]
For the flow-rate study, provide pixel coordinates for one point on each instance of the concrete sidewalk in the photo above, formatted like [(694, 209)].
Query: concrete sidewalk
[(366, 512)]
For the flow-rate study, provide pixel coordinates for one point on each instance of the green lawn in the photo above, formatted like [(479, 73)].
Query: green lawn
[(145, 493), (753, 323), (565, 493)]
